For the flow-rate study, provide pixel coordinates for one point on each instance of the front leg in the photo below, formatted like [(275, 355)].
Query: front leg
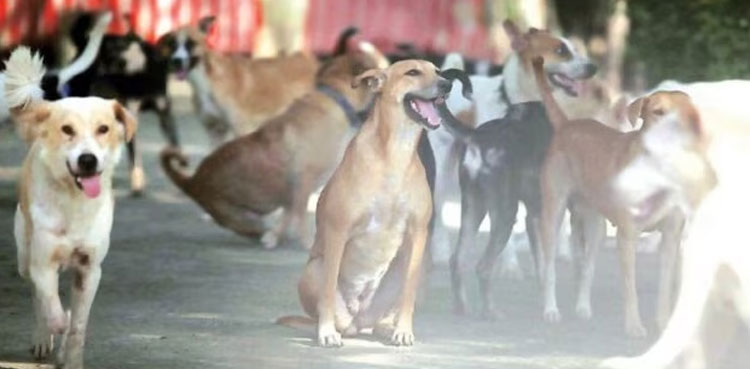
[(333, 241), (86, 282), (403, 334), (626, 246)]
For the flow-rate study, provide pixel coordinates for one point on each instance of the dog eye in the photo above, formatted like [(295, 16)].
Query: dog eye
[(68, 130), (102, 129), (658, 111), (413, 72), (562, 50)]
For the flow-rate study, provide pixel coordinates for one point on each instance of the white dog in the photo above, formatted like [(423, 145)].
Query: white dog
[(64, 215), (714, 297)]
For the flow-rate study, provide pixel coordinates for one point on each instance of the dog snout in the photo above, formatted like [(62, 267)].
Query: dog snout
[(589, 70), (87, 164)]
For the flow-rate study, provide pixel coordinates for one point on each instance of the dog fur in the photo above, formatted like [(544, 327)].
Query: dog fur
[(281, 164), (234, 94), (713, 301), (365, 262), (583, 160), (64, 216)]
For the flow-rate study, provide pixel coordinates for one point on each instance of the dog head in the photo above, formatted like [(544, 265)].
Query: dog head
[(673, 165), (185, 46), (341, 71), (78, 139), (414, 84), (564, 65)]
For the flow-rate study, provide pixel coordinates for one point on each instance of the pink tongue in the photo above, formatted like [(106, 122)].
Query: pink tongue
[(91, 186), (428, 111), (182, 74)]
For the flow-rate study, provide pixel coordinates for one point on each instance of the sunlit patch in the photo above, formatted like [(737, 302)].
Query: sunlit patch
[(9, 365)]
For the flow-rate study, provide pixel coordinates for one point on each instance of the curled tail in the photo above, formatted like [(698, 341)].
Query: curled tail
[(23, 78), (297, 321), (343, 40), (453, 125), (169, 156), (89, 53), (556, 115)]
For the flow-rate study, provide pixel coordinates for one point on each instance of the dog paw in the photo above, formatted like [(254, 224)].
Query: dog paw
[(43, 343), (329, 337), (584, 312), (552, 315), (402, 337), (635, 330), (269, 240)]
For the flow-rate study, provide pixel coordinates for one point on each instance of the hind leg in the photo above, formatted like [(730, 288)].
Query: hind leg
[(166, 120), (309, 289), (240, 220), (502, 219), (554, 200), (473, 210)]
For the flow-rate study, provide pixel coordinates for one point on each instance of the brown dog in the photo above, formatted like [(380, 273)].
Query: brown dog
[(373, 214), (282, 163), (583, 160), (248, 92)]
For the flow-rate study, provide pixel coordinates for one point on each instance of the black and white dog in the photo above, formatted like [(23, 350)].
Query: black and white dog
[(132, 71)]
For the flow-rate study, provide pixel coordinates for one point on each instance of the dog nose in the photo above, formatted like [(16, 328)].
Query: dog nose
[(176, 63), (590, 69), (87, 163)]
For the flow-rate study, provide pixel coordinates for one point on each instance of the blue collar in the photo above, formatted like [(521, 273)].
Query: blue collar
[(351, 114)]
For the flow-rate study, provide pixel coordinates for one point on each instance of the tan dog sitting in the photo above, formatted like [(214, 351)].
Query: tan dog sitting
[(66, 204), (584, 159), (373, 214), (281, 164)]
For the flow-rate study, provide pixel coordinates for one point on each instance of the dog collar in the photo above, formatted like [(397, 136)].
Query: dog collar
[(351, 114)]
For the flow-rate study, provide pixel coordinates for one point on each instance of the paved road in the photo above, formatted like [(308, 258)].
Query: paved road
[(179, 292)]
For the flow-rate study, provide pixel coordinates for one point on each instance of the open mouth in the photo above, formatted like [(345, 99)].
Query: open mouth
[(90, 184), (571, 86), (424, 111)]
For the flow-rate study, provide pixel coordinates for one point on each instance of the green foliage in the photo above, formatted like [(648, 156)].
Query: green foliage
[(690, 40)]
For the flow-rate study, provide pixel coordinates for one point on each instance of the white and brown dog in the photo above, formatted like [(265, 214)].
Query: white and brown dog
[(66, 204)]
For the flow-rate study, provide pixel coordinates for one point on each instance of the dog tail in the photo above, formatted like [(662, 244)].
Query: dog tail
[(343, 40), (178, 177), (24, 71), (297, 321), (556, 115), (89, 53)]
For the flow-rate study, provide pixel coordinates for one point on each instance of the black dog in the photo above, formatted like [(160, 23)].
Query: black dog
[(132, 71), (499, 168)]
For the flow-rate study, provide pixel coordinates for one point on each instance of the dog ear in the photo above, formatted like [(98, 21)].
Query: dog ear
[(373, 79), (28, 119), (635, 110), (517, 40), (205, 23), (128, 121)]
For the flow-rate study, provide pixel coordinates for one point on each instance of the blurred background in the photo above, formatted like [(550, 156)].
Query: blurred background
[(637, 43)]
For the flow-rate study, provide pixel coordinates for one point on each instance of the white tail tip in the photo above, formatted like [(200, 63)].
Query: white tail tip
[(23, 78)]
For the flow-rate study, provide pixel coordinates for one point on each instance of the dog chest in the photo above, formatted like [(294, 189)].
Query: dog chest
[(375, 242)]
